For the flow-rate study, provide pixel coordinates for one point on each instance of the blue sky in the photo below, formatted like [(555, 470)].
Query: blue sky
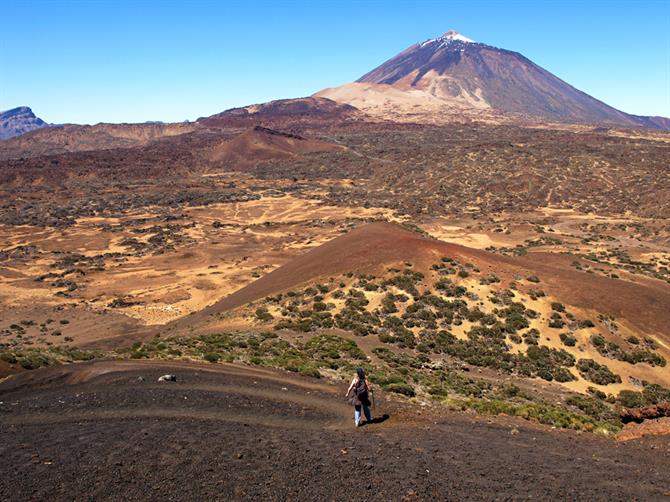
[(131, 61)]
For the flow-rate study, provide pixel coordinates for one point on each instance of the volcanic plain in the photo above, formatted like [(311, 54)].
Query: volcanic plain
[(506, 288)]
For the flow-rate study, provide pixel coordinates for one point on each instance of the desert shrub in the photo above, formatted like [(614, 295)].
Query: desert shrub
[(544, 413), (631, 399), (597, 393), (397, 359), (533, 278), (400, 388), (407, 281), (448, 288), (319, 306), (309, 371), (597, 341), (327, 346), (596, 373), (79, 355), (547, 363), (654, 394), (514, 317), (532, 336), (586, 323), (643, 356), (212, 357), (33, 361), (388, 304), (556, 321), (489, 279), (558, 307), (592, 407), (568, 339), (263, 315), (8, 357), (438, 341), (635, 356), (633, 340)]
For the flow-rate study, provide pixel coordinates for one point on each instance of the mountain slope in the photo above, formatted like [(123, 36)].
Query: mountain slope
[(84, 138), (345, 284), (374, 247), (454, 71), (19, 121)]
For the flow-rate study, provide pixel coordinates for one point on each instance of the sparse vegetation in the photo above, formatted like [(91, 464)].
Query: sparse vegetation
[(596, 373)]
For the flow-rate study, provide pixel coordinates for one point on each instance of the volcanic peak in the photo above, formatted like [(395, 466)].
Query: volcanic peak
[(448, 38)]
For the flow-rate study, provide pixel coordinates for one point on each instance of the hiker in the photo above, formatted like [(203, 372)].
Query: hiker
[(361, 396)]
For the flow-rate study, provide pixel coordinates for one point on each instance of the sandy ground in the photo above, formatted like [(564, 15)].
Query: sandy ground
[(255, 237)]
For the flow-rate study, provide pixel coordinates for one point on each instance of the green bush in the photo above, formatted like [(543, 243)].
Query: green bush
[(212, 357), (540, 412), (631, 399), (263, 315), (592, 407), (309, 371), (598, 341), (8, 357), (400, 388), (568, 339), (597, 393), (596, 373), (654, 393)]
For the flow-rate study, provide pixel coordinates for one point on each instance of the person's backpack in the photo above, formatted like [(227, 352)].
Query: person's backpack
[(361, 389)]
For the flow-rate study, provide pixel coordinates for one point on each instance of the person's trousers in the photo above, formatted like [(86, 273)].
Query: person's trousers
[(357, 414)]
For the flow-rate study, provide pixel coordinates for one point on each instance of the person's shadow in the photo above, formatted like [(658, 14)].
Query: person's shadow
[(377, 420)]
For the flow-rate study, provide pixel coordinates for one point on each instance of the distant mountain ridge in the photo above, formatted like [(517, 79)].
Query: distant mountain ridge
[(18, 121), (452, 73)]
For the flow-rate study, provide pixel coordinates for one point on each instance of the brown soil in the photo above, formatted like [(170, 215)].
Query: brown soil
[(220, 432), (261, 144)]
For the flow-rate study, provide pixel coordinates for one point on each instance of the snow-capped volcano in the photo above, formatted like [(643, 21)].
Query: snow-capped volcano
[(447, 38), (452, 75)]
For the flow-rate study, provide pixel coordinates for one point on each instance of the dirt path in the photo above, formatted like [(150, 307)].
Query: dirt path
[(110, 431)]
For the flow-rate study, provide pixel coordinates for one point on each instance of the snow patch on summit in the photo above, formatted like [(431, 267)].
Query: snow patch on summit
[(447, 38)]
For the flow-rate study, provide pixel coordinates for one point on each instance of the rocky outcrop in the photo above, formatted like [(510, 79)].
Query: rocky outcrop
[(18, 121), (646, 413)]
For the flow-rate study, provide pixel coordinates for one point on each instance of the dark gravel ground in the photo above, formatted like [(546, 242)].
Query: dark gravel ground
[(230, 433)]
